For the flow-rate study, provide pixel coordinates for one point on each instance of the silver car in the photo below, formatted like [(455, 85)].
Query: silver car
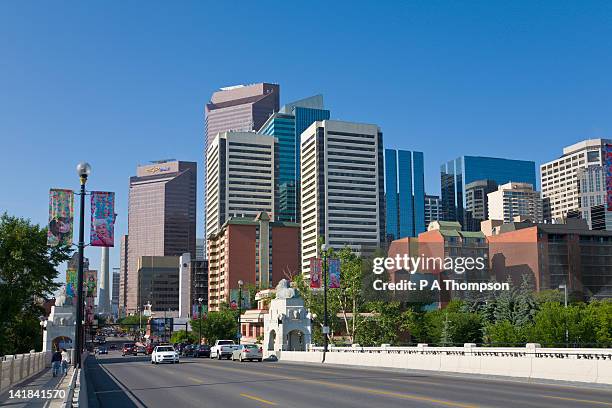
[(247, 352)]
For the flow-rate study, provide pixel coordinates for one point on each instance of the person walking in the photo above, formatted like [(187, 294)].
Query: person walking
[(56, 361), (65, 361)]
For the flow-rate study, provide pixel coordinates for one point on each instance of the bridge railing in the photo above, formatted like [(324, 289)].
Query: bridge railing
[(19, 367)]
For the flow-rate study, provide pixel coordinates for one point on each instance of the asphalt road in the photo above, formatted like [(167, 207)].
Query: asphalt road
[(134, 382)]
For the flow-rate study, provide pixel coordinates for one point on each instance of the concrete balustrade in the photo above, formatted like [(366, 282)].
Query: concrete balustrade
[(532, 361), (17, 368)]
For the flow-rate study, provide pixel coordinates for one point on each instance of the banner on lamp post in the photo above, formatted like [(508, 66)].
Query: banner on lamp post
[(334, 273), (315, 273), (61, 215), (102, 229)]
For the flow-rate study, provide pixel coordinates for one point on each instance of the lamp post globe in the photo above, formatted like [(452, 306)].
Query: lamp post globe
[(83, 169)]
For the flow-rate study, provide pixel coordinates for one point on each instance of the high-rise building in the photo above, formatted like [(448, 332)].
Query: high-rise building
[(240, 177), (161, 217), (342, 187), (123, 275), (559, 177), (256, 250), (200, 248), (433, 209), (287, 126), (476, 204), (591, 190), (104, 306), (456, 174), (404, 193), (158, 283), (515, 200), (115, 291)]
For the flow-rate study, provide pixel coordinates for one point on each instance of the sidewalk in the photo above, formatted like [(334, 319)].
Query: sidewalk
[(43, 381)]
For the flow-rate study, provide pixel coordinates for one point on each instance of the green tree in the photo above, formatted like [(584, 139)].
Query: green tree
[(220, 325), (505, 334), (182, 336), (27, 273)]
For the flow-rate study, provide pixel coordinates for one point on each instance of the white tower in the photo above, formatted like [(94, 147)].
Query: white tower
[(104, 299)]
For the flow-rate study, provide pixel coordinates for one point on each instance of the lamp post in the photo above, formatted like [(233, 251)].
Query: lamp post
[(83, 170), (240, 283), (564, 287), (200, 318), (324, 248)]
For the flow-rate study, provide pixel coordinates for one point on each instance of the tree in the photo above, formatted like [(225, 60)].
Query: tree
[(27, 273), (182, 336), (220, 325)]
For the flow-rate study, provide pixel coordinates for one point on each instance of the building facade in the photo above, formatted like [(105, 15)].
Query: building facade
[(240, 177), (560, 177), (476, 203), (513, 200), (287, 126), (458, 173), (591, 191), (433, 209), (342, 187), (161, 217), (158, 283), (123, 275), (404, 194), (256, 250), (115, 291)]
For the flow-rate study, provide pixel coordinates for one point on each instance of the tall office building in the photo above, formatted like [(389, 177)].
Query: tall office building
[(404, 193), (287, 126), (158, 283), (123, 275), (200, 248), (104, 306), (342, 187), (433, 209), (592, 197), (515, 200), (476, 204), (115, 291), (456, 174), (559, 177), (161, 218), (240, 177)]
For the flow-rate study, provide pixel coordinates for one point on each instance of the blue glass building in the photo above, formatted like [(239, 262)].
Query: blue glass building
[(287, 126), (456, 174), (405, 193)]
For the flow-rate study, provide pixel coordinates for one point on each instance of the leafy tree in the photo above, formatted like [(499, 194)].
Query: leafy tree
[(504, 333), (182, 336), (220, 325), (383, 326), (27, 273)]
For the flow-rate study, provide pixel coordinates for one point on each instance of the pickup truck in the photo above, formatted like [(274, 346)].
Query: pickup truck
[(223, 349)]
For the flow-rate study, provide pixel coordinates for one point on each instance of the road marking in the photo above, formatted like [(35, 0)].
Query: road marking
[(258, 399), (579, 400), (198, 380)]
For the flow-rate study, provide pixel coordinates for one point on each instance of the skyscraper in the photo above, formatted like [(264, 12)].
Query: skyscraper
[(287, 126), (433, 209), (240, 177), (104, 284), (515, 199), (476, 203), (161, 217), (123, 275), (456, 174), (342, 187), (405, 193), (115, 292), (592, 197), (560, 177)]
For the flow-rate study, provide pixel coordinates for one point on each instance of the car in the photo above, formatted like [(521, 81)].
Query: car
[(129, 349), (113, 346), (186, 350), (102, 350), (164, 354), (223, 349), (141, 350), (149, 348), (247, 352), (200, 351)]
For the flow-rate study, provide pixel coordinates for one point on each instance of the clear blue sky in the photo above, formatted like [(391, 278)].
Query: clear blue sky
[(122, 83)]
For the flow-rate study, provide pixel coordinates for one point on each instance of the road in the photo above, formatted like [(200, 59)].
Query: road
[(135, 382)]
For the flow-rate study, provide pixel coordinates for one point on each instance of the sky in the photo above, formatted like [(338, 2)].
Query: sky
[(119, 84)]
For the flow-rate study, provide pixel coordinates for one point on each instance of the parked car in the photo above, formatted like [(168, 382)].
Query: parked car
[(247, 352), (102, 350), (223, 349), (186, 350), (141, 350), (164, 354), (129, 349), (200, 351), (150, 348)]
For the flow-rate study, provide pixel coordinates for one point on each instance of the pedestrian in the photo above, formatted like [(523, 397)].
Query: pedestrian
[(65, 361), (56, 361)]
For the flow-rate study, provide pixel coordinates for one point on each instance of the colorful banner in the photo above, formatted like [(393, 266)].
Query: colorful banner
[(195, 313), (91, 283), (61, 214), (334, 273), (315, 273), (235, 295), (71, 282), (102, 229), (608, 171)]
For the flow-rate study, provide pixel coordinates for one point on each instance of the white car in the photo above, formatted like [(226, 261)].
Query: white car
[(164, 354)]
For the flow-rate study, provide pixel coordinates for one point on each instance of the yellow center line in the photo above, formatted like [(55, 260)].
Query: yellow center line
[(579, 400), (258, 399)]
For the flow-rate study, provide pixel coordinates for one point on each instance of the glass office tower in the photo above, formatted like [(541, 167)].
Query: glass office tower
[(405, 193), (287, 126), (456, 174)]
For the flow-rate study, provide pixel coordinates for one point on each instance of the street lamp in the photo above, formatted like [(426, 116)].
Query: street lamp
[(240, 283), (83, 171), (564, 287), (324, 248), (42, 321), (200, 317)]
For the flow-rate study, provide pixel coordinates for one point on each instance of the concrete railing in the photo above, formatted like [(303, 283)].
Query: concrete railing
[(532, 361), (18, 368)]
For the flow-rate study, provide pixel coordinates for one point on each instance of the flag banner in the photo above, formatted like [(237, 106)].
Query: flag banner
[(608, 171), (334, 273), (102, 219), (194, 311), (235, 295), (61, 214), (91, 283), (315, 273), (71, 282)]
